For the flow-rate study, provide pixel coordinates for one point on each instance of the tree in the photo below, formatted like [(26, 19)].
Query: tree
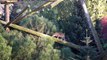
[(5, 50)]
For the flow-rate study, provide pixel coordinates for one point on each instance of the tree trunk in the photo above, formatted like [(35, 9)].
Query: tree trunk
[(94, 33)]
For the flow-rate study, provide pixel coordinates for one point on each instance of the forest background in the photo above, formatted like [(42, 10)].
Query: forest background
[(67, 17)]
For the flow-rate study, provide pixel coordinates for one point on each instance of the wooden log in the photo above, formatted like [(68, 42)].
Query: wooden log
[(7, 13), (8, 1), (42, 35), (56, 3)]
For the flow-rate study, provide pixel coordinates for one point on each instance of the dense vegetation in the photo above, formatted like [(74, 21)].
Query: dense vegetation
[(67, 17)]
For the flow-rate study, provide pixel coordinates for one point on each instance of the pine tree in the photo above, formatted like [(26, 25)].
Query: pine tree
[(5, 50)]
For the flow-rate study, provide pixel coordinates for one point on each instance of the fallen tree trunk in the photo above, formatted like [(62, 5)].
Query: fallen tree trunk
[(72, 45)]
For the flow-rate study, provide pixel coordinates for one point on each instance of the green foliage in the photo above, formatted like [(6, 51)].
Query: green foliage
[(40, 24), (66, 54), (67, 17), (97, 8), (22, 47), (46, 51), (5, 50), (66, 9), (26, 47)]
